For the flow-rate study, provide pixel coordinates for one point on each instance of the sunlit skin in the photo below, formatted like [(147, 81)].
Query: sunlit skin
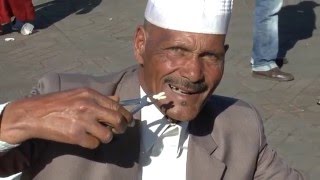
[(186, 66)]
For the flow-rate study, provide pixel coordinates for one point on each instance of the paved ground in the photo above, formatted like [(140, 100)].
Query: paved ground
[(94, 36)]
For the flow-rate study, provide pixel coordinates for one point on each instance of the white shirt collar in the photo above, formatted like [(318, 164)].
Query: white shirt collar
[(154, 124)]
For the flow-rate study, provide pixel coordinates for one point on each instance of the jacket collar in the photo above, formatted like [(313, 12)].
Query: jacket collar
[(128, 147), (129, 87), (202, 163)]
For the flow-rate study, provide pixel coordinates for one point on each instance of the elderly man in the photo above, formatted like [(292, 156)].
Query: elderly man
[(79, 130)]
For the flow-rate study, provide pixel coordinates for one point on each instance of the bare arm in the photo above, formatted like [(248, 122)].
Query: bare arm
[(81, 116)]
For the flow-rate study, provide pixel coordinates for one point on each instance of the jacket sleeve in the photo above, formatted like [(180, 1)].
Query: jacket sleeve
[(270, 166)]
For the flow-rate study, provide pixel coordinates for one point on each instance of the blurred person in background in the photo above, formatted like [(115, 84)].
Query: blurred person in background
[(14, 14), (266, 42)]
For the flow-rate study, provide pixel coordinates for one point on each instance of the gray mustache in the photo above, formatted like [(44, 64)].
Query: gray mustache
[(195, 87)]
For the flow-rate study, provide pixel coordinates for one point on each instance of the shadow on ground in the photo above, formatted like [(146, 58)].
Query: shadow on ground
[(296, 22), (51, 12)]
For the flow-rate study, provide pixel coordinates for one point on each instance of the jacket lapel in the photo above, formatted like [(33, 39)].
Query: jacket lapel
[(129, 88), (129, 143), (201, 164)]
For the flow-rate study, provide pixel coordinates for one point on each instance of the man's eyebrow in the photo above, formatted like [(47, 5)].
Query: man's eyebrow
[(212, 52), (184, 48), (181, 45)]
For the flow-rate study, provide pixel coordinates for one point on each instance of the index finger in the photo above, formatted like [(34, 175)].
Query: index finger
[(112, 102)]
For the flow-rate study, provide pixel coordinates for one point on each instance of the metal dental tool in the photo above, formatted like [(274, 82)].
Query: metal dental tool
[(142, 102)]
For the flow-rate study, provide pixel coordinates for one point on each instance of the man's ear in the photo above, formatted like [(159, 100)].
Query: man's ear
[(226, 47), (139, 44)]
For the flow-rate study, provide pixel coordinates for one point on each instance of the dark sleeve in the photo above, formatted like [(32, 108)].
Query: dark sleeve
[(21, 157)]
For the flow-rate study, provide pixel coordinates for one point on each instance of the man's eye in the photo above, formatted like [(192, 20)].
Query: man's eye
[(176, 51), (212, 57)]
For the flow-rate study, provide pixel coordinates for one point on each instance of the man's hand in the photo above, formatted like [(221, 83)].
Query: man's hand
[(80, 116)]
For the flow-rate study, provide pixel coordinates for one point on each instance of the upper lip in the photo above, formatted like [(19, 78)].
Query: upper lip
[(183, 89)]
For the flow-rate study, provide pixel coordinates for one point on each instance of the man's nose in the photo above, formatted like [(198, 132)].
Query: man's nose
[(193, 70)]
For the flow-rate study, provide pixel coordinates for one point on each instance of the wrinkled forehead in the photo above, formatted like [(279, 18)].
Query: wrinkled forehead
[(158, 39)]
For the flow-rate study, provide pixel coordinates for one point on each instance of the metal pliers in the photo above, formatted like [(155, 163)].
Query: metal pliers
[(139, 102)]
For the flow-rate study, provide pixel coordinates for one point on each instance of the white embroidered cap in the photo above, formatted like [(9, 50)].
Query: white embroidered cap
[(199, 16)]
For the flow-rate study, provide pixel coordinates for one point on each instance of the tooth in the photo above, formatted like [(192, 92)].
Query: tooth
[(159, 96), (176, 89)]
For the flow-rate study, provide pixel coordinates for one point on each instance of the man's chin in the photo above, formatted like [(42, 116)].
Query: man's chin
[(181, 116), (178, 112)]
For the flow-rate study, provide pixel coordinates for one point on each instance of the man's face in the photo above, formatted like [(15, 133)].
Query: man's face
[(186, 66)]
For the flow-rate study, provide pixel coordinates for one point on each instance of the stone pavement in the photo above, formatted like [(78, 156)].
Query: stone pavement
[(94, 36)]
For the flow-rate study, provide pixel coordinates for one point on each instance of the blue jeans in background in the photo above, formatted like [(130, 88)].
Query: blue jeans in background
[(265, 35)]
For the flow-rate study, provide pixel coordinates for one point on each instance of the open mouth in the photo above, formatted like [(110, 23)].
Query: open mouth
[(180, 91)]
